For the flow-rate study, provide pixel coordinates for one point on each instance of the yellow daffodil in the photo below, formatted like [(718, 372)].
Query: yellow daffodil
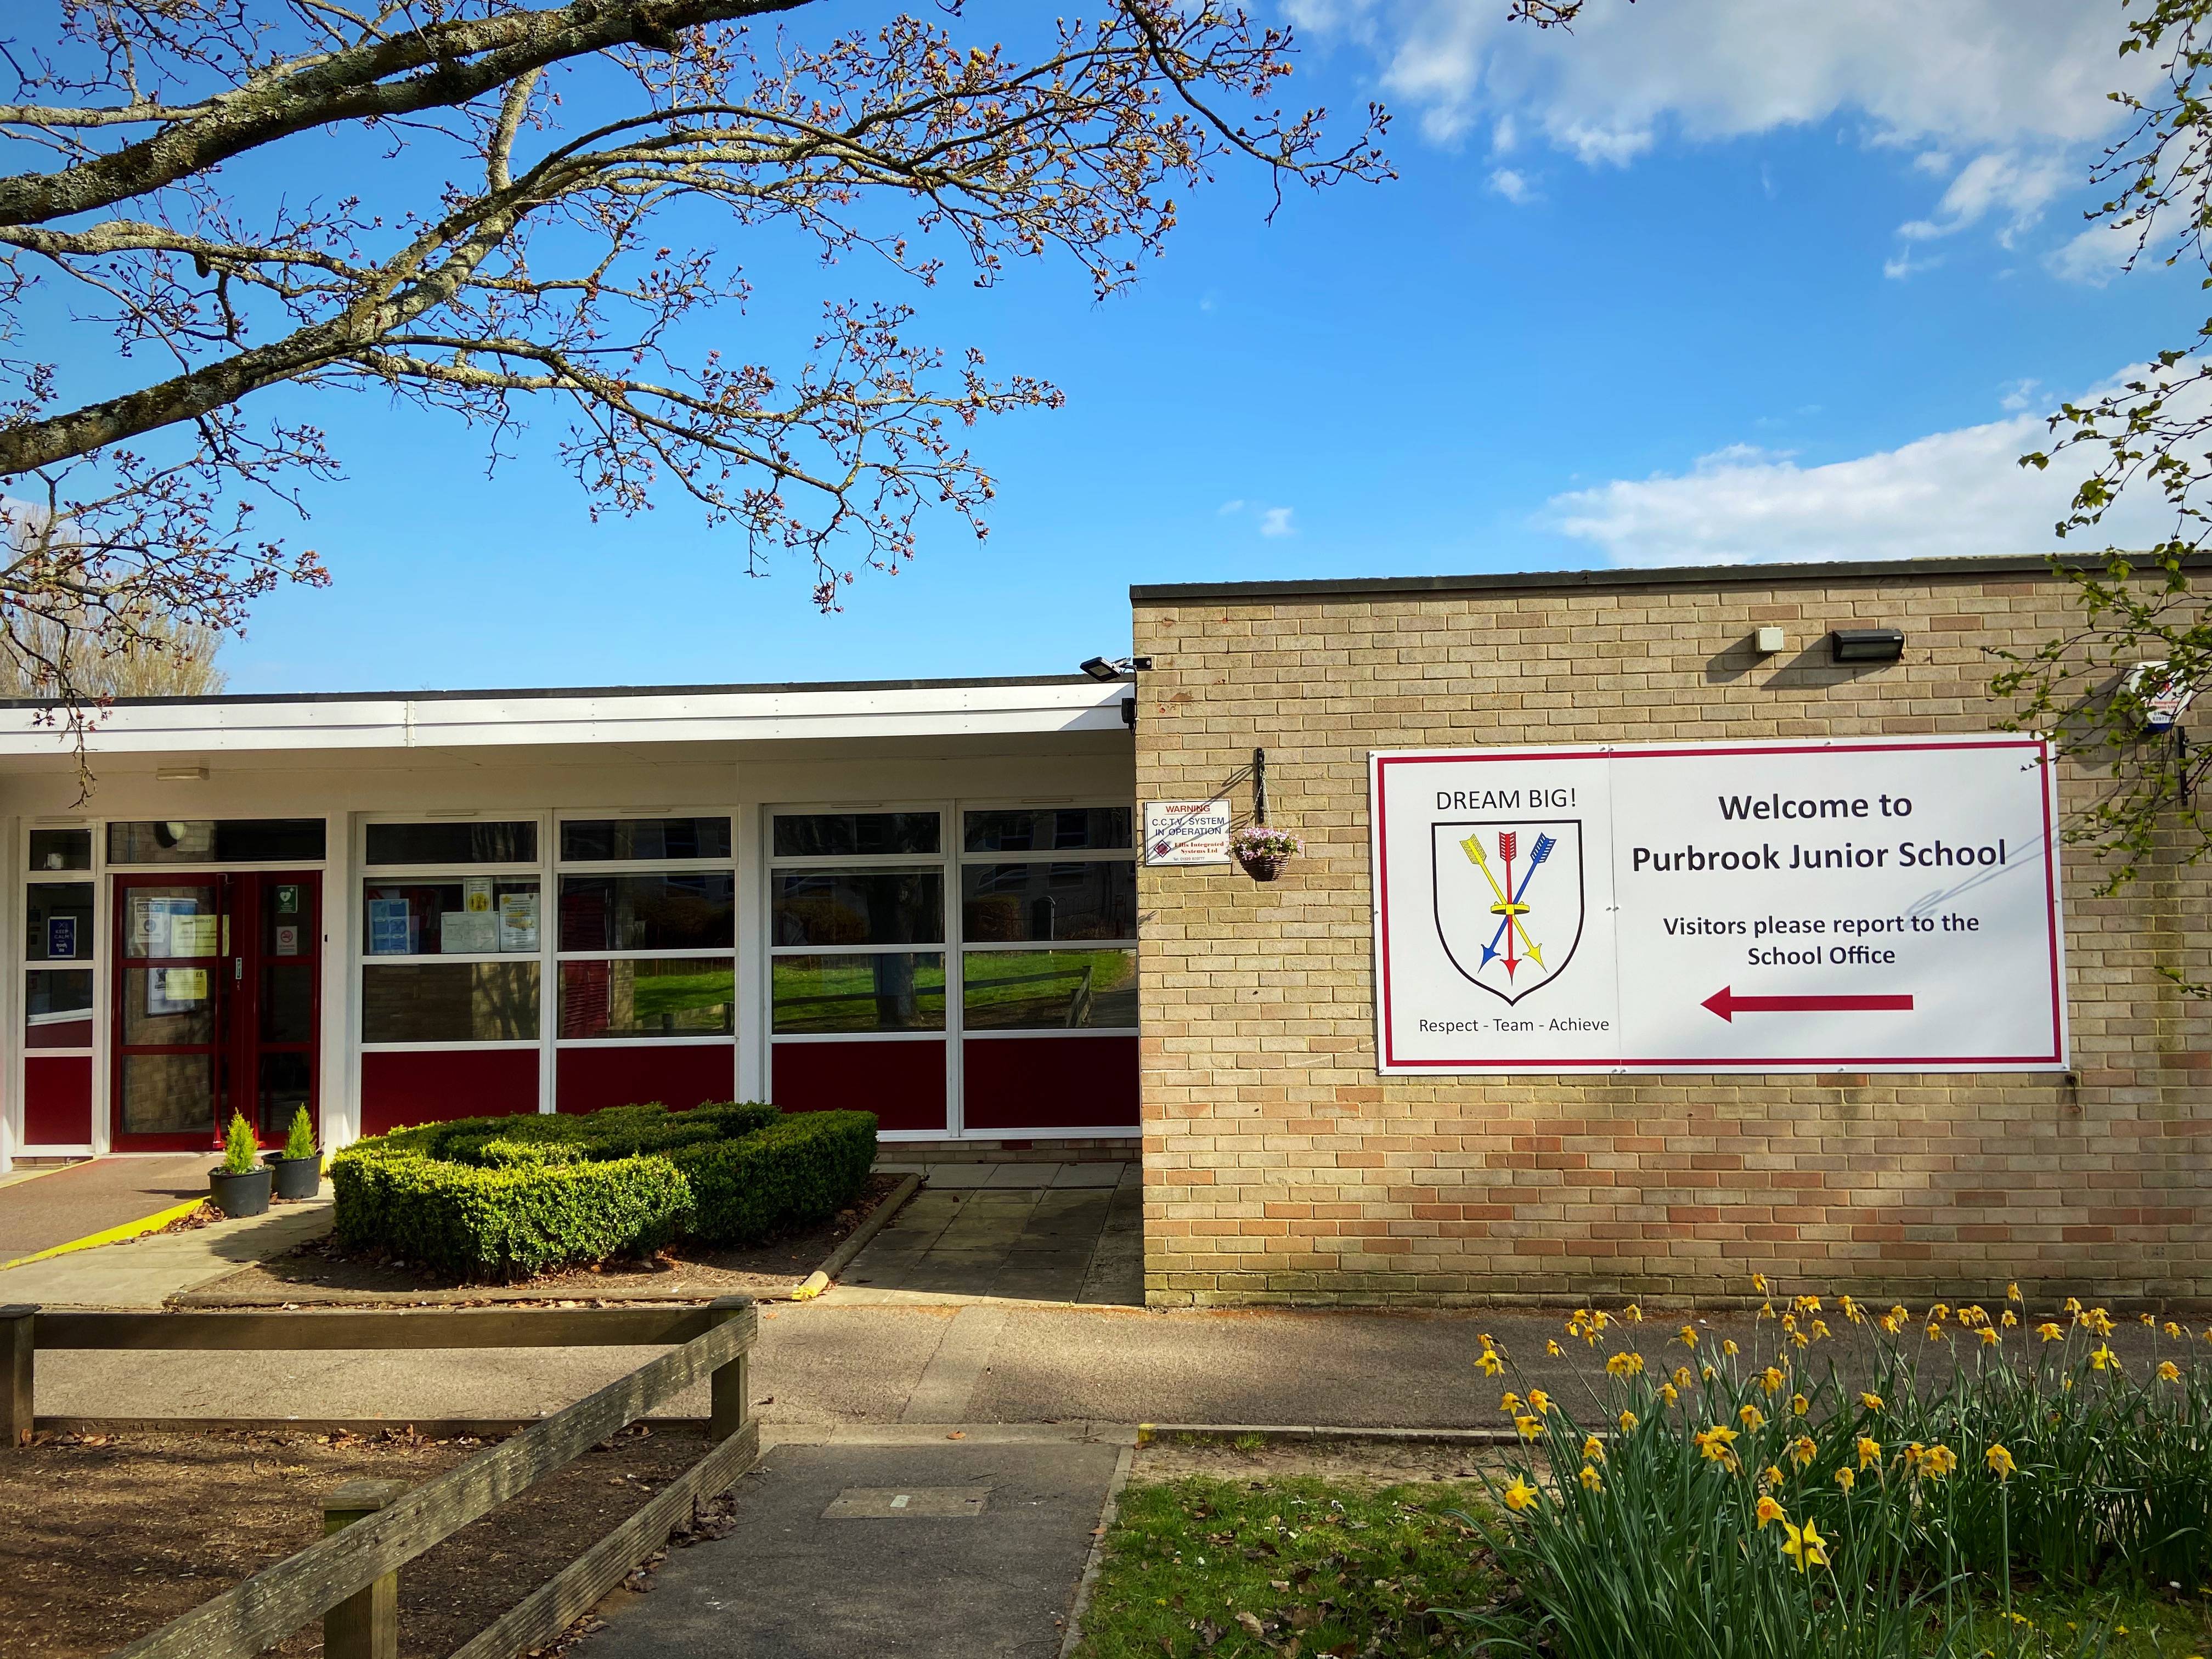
[(1771, 1475), (2072, 1305), (1666, 1393), (1803, 1450), (2100, 1357), (1530, 1427), (1600, 1319), (1552, 1349), (2049, 1331), (1626, 1364), (1511, 1403), (2168, 1371), (1989, 1336), (1850, 1311), (1590, 1479), (2097, 1321), (1938, 1459), (2011, 1293), (1771, 1380), (1709, 1373), (2149, 1319), (1627, 1421), (1912, 1454), (1593, 1450), (1689, 1336), (1799, 1405), (1799, 1339), (1759, 1283), (1520, 1495), (1935, 1333), (1806, 1546), (1729, 1347), (2000, 1461), (1716, 1442), (1820, 1328), (1485, 1338), (2173, 1330), (1765, 1310), (1900, 1313), (1539, 1401), (1751, 1417), (1767, 1510), (1869, 1452), (1789, 1321), (1845, 1478), (1683, 1376), (1939, 1313), (1632, 1314), (1871, 1401), (1489, 1364), (2008, 1319)]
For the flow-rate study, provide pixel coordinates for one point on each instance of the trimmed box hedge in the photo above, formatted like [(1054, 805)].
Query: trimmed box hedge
[(510, 1197)]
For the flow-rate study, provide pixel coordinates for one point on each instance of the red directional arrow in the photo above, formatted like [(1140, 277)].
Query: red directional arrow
[(1725, 1003)]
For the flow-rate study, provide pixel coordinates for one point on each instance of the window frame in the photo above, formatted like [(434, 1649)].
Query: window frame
[(93, 876), (558, 866)]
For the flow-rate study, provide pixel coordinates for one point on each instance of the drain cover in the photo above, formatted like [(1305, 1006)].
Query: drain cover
[(879, 1502)]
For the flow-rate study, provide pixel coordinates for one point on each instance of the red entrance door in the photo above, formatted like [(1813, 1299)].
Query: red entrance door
[(217, 1006)]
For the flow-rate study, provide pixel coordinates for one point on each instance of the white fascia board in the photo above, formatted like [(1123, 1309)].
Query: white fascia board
[(492, 720)]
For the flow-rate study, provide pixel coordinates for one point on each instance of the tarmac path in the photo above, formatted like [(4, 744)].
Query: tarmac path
[(41, 1208)]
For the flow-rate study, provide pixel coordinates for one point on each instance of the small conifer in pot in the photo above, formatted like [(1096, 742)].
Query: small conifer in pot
[(240, 1185)]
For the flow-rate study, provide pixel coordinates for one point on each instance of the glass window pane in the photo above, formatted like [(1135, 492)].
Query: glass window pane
[(857, 907), (61, 849), (1044, 902), (58, 1008), (843, 834), (583, 839), (59, 913), (904, 991), (286, 1083), (1048, 990), (1047, 829), (683, 912), (449, 1002), (287, 1002), (168, 1007), (215, 840), (169, 1094), (459, 841), (693, 997), (178, 920), (466, 916)]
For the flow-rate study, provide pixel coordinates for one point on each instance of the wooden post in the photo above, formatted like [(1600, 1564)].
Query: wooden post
[(366, 1624), (18, 1332), (730, 1383)]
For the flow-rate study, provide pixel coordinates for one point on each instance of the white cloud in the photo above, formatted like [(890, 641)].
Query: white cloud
[(1999, 97), (1511, 186), (2095, 257), (1947, 494), (1228, 507), (1276, 521)]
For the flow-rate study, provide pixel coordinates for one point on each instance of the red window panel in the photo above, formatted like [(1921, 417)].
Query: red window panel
[(1052, 1083), (57, 1100), (902, 1082), (398, 1090), (587, 1080)]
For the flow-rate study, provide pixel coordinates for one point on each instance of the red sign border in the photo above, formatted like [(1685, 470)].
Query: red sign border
[(1389, 1065)]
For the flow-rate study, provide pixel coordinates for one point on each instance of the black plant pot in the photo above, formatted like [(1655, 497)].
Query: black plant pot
[(239, 1194), (296, 1177)]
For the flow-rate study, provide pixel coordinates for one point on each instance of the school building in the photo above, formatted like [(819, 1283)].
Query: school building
[(1498, 1074)]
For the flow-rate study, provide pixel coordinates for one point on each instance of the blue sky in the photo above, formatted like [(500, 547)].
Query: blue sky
[(1753, 279)]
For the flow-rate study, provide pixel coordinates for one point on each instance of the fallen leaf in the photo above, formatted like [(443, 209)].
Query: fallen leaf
[(1251, 1624), (1209, 1632), (957, 1434)]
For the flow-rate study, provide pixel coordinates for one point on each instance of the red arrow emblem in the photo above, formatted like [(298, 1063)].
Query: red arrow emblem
[(1725, 1003)]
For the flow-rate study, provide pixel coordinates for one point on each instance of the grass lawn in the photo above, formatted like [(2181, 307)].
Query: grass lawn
[(1290, 1565), (1296, 1567)]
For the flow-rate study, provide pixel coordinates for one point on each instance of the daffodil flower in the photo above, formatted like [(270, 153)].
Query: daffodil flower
[(1520, 1495), (1771, 1380), (1667, 1394), (2049, 1331), (2168, 1371), (1552, 1349), (1511, 1403), (1530, 1427), (1759, 1283), (1716, 1442), (1767, 1510), (1689, 1336), (1590, 1479), (1593, 1450), (1799, 1405), (1803, 1450), (2011, 1293), (1489, 1364), (1729, 1348), (1539, 1401), (2000, 1461), (1873, 1402), (1751, 1417), (1627, 1421), (1845, 1478), (1938, 1459), (1626, 1364), (1869, 1452), (1806, 1546), (2100, 1357)]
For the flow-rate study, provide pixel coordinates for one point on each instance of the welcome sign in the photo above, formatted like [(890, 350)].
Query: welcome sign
[(1867, 903)]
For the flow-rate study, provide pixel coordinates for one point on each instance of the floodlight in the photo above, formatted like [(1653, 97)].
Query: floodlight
[(1865, 645)]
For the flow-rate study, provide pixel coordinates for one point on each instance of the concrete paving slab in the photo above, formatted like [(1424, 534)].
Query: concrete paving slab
[(795, 1581), (144, 1273), (1088, 1174), (959, 1175), (61, 1206)]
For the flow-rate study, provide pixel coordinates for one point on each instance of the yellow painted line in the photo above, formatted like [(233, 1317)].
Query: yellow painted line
[(138, 1228)]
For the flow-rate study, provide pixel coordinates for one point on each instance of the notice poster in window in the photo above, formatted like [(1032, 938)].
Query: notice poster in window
[(389, 932), (518, 922), (192, 936), (175, 990), (287, 900), (61, 938), (467, 932), (287, 941), (475, 897)]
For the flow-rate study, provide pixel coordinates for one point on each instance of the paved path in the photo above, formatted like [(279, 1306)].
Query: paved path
[(850, 1549), (39, 1209), (1041, 1232), (144, 1273)]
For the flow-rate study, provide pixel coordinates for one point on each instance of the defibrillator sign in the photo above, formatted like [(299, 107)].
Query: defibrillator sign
[(1881, 903)]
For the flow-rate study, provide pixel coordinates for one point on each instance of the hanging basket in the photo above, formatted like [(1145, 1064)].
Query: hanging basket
[(1262, 850)]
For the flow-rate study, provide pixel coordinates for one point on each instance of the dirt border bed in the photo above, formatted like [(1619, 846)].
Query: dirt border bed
[(316, 1296)]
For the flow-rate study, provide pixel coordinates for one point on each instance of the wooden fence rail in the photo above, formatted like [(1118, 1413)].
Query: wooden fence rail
[(716, 1343)]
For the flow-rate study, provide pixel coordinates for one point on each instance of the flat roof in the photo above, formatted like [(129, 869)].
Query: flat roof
[(505, 693), (1614, 576)]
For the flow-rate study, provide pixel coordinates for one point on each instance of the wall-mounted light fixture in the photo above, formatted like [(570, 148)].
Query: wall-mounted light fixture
[(181, 774), (1113, 668), (1865, 645)]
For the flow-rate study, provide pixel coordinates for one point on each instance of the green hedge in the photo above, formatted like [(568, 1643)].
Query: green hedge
[(799, 1169), (509, 1197)]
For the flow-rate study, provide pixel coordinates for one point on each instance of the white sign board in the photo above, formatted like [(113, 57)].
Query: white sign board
[(1187, 831), (1878, 903)]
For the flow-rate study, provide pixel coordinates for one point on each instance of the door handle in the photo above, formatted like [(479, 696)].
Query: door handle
[(238, 967)]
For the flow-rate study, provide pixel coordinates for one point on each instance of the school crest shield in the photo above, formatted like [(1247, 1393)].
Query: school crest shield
[(1509, 899)]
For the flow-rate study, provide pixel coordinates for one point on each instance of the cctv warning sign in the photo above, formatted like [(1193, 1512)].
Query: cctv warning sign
[(1872, 904)]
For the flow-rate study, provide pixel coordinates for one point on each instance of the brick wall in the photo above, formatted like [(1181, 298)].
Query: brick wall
[(1280, 1167)]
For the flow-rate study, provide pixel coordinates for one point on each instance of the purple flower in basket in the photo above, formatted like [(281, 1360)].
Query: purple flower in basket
[(1264, 842)]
